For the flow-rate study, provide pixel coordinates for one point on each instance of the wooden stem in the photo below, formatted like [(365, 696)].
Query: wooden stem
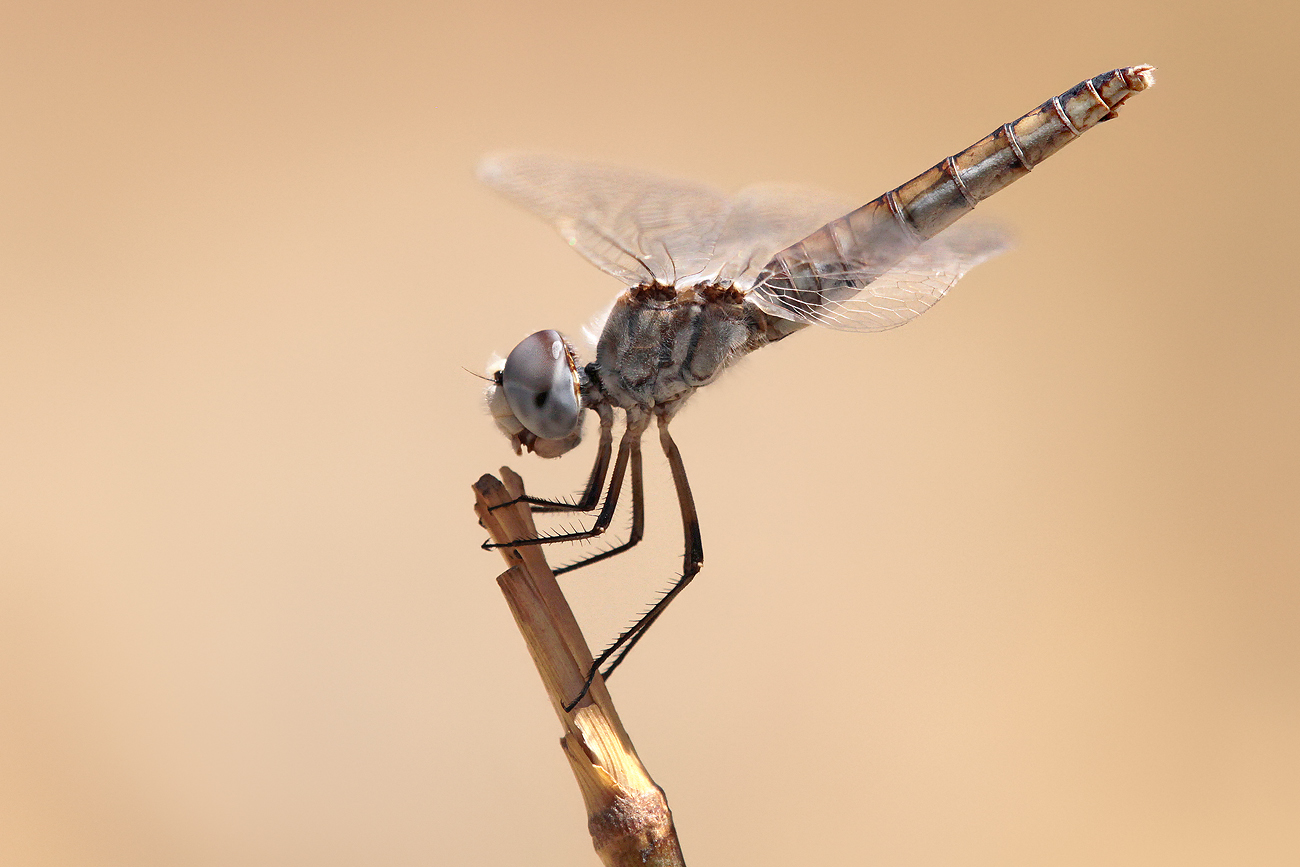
[(627, 814)]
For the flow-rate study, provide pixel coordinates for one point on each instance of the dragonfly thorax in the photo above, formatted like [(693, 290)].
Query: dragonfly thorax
[(659, 343)]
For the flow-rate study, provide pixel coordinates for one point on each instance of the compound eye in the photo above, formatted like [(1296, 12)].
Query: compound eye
[(541, 385)]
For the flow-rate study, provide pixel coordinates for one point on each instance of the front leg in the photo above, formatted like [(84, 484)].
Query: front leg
[(630, 444), (638, 519), (595, 481)]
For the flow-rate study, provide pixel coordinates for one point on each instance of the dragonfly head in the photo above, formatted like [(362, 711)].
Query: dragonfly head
[(536, 395)]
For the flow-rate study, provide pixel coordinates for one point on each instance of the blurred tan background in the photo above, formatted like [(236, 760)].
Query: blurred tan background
[(1030, 598)]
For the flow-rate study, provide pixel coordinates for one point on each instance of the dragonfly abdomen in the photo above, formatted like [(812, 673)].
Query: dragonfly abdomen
[(823, 278), (936, 199)]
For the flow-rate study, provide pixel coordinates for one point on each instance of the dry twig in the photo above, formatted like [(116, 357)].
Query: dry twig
[(627, 814)]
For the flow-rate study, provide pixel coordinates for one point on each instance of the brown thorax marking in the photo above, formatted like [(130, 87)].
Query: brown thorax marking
[(659, 295)]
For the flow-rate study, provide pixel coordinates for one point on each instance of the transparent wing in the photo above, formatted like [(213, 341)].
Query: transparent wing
[(857, 292), (761, 221), (637, 226)]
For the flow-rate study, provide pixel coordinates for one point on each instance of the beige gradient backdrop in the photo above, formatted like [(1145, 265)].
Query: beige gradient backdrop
[(1016, 584)]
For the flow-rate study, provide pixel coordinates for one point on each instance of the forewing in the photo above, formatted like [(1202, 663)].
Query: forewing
[(834, 280), (639, 227)]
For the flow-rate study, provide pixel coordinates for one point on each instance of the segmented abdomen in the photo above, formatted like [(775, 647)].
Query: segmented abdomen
[(935, 199), (846, 254)]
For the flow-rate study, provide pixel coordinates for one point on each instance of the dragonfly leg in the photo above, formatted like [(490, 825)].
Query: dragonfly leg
[(692, 560), (638, 518), (595, 482), (631, 441)]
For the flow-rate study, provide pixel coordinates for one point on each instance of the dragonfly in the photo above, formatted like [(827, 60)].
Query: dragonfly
[(711, 277)]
